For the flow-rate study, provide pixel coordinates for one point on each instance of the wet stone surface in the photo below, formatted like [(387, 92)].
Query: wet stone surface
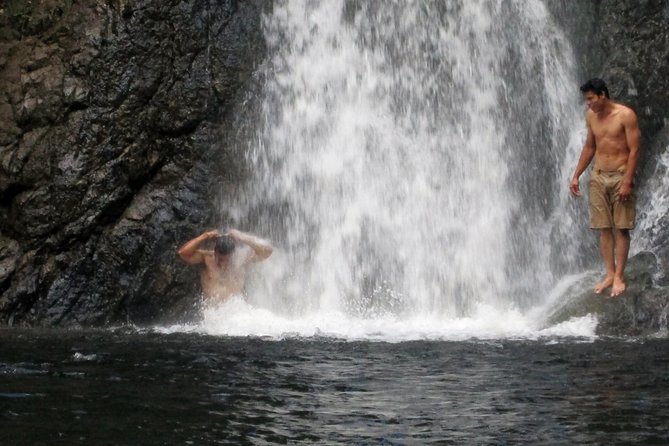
[(116, 124)]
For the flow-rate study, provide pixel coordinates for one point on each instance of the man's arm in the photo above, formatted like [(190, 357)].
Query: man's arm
[(584, 160), (633, 137), (261, 249), (191, 253)]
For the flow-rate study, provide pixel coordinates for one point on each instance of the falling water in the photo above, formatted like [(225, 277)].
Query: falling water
[(412, 158), (655, 206)]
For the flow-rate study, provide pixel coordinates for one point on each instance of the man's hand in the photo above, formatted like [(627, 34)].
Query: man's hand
[(212, 234), (625, 191), (574, 188)]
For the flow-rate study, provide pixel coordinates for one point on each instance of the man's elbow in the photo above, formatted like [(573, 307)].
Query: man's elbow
[(634, 151), (265, 252), (185, 256)]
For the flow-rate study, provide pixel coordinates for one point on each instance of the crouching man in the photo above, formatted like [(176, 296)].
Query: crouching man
[(226, 265)]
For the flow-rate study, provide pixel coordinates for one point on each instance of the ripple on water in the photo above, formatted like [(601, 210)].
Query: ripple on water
[(209, 389), (23, 369)]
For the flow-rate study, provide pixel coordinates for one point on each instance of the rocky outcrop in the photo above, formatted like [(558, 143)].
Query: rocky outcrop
[(640, 311), (627, 44), (117, 132)]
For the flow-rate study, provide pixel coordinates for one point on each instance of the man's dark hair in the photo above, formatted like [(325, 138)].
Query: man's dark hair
[(224, 245), (597, 86)]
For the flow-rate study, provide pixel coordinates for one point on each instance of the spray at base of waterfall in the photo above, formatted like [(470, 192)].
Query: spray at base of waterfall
[(237, 318)]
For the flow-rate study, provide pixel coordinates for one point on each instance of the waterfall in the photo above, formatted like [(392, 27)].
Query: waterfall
[(412, 158), (654, 207)]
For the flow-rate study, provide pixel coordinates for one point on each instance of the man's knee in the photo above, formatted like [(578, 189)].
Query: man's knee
[(624, 233), (606, 233)]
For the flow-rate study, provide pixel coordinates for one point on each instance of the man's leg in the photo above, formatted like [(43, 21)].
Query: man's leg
[(606, 247), (622, 250)]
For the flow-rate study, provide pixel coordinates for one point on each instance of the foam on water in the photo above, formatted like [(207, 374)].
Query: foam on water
[(237, 318)]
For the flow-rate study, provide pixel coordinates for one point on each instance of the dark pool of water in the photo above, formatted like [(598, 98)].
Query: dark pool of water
[(128, 388)]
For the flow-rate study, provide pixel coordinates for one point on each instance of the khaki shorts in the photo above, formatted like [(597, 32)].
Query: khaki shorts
[(606, 209)]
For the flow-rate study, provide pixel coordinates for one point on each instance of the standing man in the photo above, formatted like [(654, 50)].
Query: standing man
[(613, 141), (226, 265)]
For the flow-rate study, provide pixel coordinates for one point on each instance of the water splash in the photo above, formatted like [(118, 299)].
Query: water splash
[(411, 160), (238, 318)]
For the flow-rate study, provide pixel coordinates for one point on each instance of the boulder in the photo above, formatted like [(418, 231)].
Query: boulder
[(640, 311)]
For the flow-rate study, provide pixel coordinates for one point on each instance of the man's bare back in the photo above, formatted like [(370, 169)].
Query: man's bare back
[(225, 266), (222, 278)]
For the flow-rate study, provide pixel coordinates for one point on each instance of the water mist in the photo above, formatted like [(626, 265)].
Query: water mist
[(412, 158)]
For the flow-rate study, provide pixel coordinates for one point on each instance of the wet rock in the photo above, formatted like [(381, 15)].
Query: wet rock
[(116, 124), (641, 310), (118, 119), (9, 257), (627, 44)]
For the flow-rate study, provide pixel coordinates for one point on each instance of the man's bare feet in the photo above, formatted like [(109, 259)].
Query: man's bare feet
[(604, 284), (618, 287)]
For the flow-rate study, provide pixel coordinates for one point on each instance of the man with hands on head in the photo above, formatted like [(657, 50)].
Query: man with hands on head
[(226, 265)]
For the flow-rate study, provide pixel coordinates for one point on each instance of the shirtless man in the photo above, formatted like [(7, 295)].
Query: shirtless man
[(613, 141), (225, 265)]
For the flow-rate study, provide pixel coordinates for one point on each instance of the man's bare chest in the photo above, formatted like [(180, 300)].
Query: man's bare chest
[(607, 128)]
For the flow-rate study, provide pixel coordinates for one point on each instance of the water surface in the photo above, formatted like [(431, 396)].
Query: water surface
[(129, 387)]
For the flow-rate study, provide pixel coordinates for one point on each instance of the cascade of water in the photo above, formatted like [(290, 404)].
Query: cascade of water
[(655, 206), (413, 157)]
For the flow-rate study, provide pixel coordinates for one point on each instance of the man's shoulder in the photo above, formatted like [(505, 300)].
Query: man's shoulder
[(242, 254), (627, 116), (590, 117), (207, 255), (625, 110)]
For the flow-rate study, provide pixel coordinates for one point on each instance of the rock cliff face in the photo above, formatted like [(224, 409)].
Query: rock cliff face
[(116, 135), (118, 121), (627, 43)]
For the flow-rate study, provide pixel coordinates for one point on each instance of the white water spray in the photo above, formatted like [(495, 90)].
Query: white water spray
[(411, 162), (655, 207)]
